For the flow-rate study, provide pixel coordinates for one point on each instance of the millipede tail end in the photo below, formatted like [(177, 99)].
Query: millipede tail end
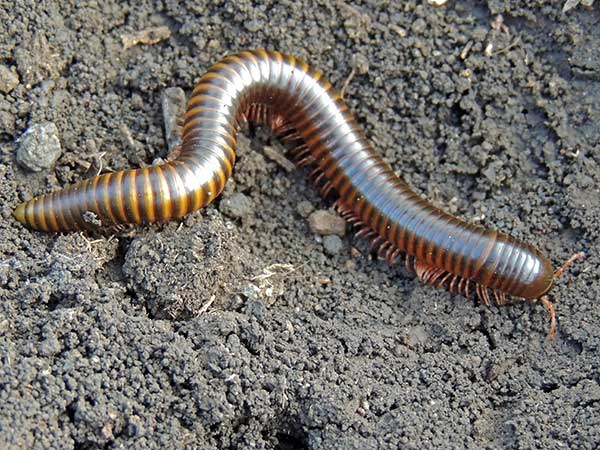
[(19, 213)]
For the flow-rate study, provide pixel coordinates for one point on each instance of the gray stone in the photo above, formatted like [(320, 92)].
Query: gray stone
[(333, 244), (39, 147), (326, 223)]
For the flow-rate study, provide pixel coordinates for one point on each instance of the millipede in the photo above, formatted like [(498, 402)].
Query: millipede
[(309, 115)]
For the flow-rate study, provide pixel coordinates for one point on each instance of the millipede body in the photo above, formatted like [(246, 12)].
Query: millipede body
[(271, 88)]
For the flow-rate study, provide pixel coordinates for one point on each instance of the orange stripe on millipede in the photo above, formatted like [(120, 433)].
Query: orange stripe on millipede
[(105, 197), (94, 204), (179, 201), (132, 204), (165, 195), (54, 225), (147, 195), (118, 197), (66, 201)]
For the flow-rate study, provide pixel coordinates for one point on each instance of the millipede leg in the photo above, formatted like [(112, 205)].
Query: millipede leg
[(316, 172), (548, 304), (444, 280), (365, 232), (299, 151), (389, 253), (306, 161), (394, 255), (291, 136), (375, 242), (461, 286), (438, 273), (284, 130), (435, 275), (482, 294), (496, 297), (426, 275), (419, 268), (453, 284), (383, 249), (326, 189), (500, 297), (486, 296)]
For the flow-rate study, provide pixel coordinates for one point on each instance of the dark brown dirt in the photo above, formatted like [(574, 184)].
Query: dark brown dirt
[(114, 343)]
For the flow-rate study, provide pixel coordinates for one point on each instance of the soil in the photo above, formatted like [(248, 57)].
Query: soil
[(235, 332)]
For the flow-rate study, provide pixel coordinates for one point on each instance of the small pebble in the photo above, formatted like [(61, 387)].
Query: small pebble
[(360, 63), (253, 25), (304, 208), (7, 123), (49, 346), (39, 147), (135, 427), (8, 79), (147, 36), (326, 223), (415, 336), (491, 172), (107, 431), (418, 26), (237, 206), (137, 102), (274, 155), (333, 244)]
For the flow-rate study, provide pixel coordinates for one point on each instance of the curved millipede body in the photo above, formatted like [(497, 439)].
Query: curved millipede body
[(303, 109)]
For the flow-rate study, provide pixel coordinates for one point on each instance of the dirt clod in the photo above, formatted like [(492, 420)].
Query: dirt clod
[(8, 79), (238, 206)]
